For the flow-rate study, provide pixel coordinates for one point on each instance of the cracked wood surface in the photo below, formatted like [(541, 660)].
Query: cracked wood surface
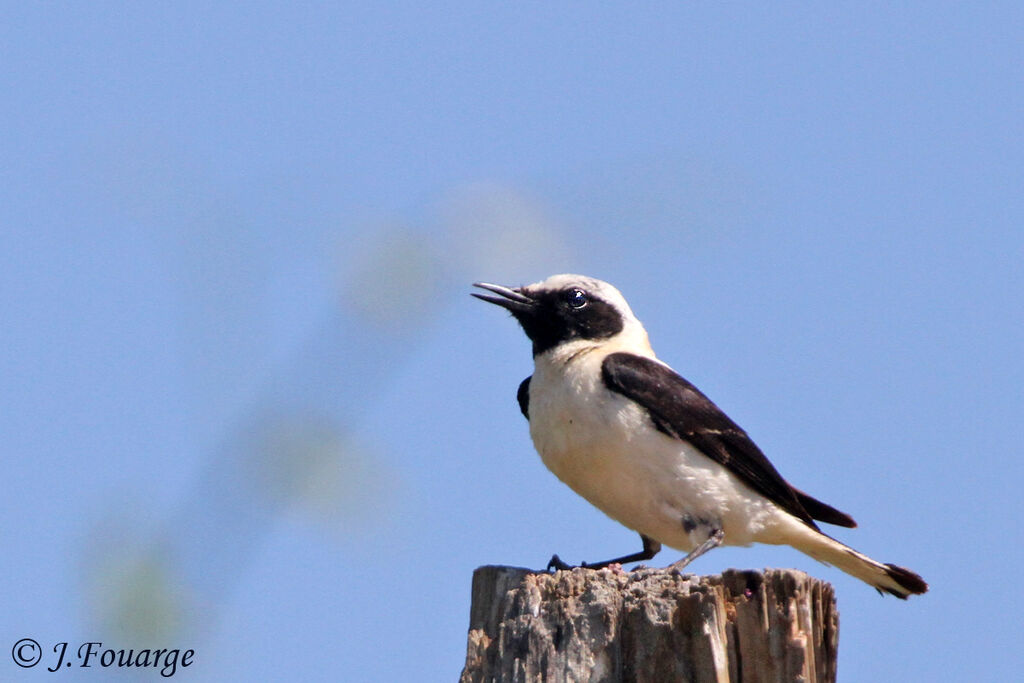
[(650, 625)]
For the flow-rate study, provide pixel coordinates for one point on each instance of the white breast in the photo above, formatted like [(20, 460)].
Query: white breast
[(605, 448)]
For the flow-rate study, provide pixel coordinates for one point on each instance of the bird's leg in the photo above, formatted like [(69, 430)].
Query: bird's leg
[(714, 540), (651, 548)]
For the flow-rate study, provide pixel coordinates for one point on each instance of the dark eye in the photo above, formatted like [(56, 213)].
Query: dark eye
[(576, 298)]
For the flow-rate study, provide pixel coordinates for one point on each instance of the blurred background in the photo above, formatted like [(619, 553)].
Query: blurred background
[(248, 407)]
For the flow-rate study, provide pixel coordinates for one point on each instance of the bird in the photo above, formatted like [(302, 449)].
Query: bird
[(642, 444)]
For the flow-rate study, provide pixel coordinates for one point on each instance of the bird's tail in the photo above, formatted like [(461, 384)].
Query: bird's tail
[(895, 580)]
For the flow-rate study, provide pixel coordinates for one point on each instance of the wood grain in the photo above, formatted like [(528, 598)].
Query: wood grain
[(650, 625)]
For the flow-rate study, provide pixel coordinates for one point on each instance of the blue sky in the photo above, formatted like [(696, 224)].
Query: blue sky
[(248, 406)]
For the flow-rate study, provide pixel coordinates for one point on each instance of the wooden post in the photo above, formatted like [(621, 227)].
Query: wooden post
[(651, 625)]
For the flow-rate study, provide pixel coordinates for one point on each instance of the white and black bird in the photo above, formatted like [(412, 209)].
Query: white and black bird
[(641, 443)]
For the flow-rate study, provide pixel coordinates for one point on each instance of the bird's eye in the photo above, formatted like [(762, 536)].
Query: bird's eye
[(576, 298)]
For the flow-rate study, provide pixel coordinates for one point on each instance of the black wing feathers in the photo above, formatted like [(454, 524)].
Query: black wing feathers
[(822, 511), (523, 396), (680, 410)]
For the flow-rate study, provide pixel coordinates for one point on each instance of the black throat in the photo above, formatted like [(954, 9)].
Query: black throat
[(550, 322)]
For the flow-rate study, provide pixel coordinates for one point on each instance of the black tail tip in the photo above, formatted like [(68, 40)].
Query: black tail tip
[(911, 583)]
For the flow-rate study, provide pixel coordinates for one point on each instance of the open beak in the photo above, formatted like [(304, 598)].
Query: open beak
[(512, 299)]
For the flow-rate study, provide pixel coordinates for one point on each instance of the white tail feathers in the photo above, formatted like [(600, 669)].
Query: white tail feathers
[(895, 580)]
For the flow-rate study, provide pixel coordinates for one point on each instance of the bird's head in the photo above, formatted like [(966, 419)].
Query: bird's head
[(567, 308)]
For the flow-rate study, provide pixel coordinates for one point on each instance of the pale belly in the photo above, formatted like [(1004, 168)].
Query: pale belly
[(658, 486)]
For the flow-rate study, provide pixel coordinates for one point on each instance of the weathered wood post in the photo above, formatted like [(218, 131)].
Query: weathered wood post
[(650, 625)]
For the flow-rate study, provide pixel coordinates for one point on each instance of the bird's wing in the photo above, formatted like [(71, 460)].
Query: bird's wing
[(681, 411), (823, 512), (523, 396)]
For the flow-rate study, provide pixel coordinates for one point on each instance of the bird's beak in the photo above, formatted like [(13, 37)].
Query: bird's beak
[(512, 299)]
